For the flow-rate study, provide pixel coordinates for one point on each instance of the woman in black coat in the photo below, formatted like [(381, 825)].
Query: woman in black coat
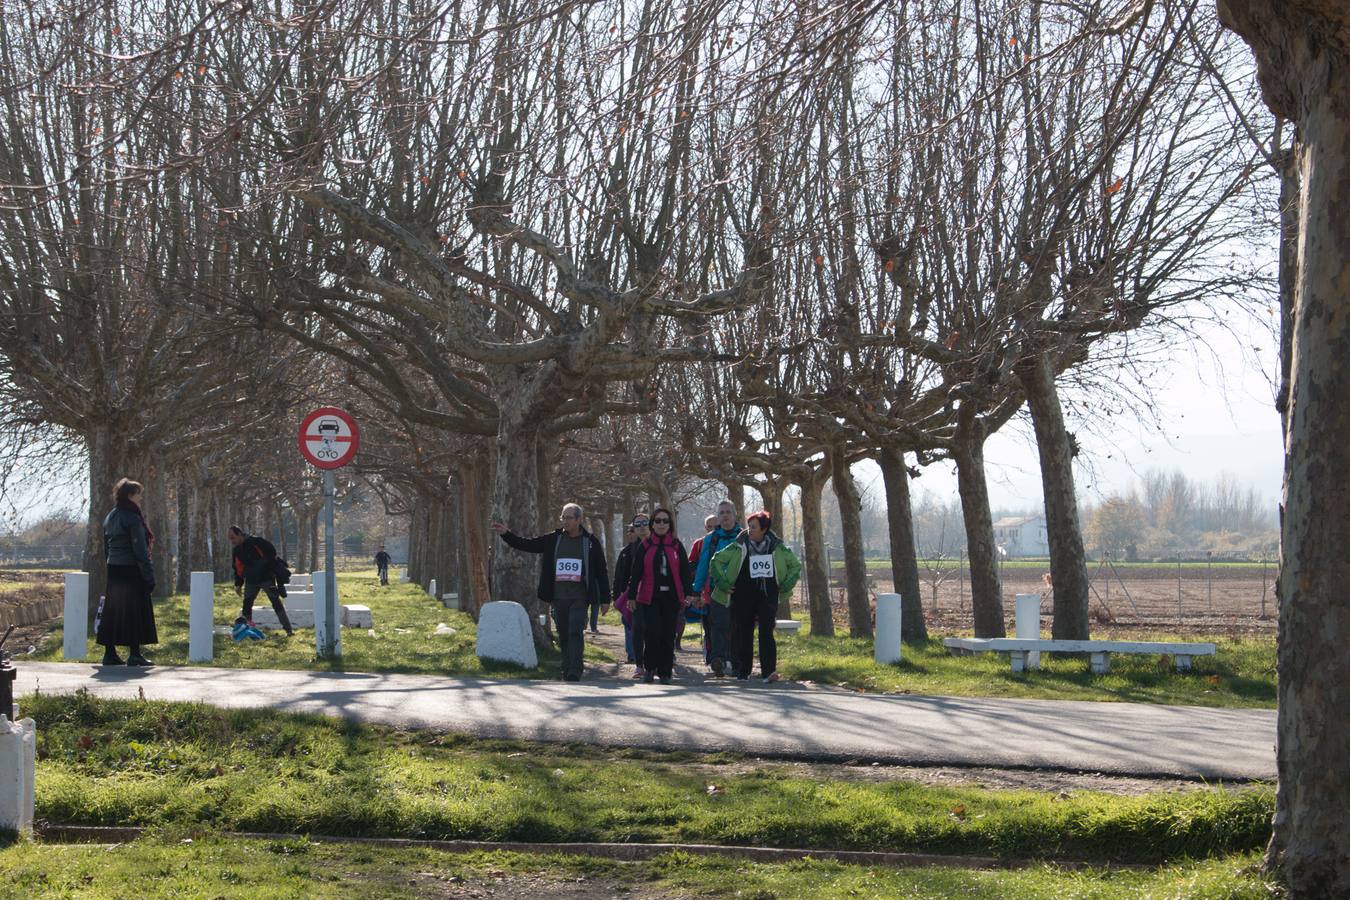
[(125, 616)]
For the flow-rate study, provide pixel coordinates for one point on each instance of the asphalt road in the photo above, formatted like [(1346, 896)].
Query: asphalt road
[(782, 721)]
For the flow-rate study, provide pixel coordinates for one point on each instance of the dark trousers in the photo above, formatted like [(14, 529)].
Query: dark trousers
[(384, 574), (570, 618), (639, 635), (660, 627), (744, 611), (595, 617), (273, 594), (717, 627)]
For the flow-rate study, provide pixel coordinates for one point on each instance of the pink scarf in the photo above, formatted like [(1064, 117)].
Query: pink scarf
[(648, 583)]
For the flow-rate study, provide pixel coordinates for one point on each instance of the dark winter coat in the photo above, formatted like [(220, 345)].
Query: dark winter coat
[(253, 561), (596, 569)]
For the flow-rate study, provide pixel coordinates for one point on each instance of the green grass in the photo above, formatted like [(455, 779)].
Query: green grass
[(404, 638), (1242, 674), (236, 868), (190, 766)]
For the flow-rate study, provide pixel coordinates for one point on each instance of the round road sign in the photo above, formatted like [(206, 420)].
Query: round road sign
[(329, 438)]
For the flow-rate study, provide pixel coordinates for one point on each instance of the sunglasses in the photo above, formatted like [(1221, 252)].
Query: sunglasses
[(641, 524), (660, 521)]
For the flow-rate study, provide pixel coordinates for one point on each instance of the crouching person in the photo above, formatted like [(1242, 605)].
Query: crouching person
[(254, 560), (573, 575)]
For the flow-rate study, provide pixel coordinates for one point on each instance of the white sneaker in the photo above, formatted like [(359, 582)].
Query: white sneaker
[(770, 678)]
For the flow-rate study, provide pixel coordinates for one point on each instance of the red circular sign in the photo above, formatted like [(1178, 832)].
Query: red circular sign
[(329, 438)]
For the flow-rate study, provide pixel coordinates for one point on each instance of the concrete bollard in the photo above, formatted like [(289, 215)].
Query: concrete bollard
[(18, 755), (431, 589), (201, 617), (1028, 625), (321, 623), (75, 626), (886, 648)]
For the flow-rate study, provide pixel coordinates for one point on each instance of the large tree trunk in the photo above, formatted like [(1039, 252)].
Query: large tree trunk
[(986, 597), (813, 556), (736, 494), (1304, 67), (904, 559), (157, 514), (473, 476), (183, 576), (855, 557), (1068, 563), (514, 503), (546, 505)]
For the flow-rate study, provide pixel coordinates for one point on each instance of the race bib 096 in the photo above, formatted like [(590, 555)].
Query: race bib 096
[(761, 566), (567, 570)]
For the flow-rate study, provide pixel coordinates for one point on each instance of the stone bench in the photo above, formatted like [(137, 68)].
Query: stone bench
[(1021, 650), (787, 626)]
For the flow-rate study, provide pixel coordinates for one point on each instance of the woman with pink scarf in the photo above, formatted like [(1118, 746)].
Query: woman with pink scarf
[(661, 581)]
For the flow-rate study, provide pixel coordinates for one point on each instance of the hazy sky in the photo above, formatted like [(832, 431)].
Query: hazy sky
[(1218, 409)]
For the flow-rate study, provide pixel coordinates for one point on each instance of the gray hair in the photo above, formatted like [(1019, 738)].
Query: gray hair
[(581, 513), (726, 501)]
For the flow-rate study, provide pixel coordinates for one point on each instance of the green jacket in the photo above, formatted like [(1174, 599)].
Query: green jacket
[(726, 567)]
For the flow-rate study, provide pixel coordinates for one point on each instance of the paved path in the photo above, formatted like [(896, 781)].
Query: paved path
[(782, 720)]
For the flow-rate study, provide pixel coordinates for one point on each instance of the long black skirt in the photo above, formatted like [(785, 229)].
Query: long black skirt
[(125, 616)]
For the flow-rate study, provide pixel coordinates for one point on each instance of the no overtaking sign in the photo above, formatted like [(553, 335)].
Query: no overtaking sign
[(329, 438)]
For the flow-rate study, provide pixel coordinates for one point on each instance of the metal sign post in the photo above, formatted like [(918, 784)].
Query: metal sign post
[(329, 439), (330, 641)]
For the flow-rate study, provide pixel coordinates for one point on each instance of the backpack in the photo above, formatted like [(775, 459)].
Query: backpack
[(282, 570)]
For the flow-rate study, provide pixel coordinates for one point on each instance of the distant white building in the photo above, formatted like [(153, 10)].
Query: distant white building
[(1022, 536)]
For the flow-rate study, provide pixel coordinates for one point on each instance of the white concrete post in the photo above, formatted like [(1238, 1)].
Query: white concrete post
[(201, 617), (431, 589), (1029, 625), (322, 624), (886, 648), (18, 755), (75, 626)]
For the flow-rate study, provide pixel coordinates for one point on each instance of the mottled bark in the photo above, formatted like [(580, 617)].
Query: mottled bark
[(1068, 562), (855, 557), (182, 493), (514, 503), (985, 591), (904, 559), (1304, 67), (813, 556)]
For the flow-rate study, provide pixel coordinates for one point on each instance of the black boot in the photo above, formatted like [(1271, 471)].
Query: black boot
[(134, 657), (110, 657)]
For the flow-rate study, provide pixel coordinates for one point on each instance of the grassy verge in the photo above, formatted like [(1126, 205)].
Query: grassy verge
[(403, 639), (1242, 674), (218, 867), (187, 766)]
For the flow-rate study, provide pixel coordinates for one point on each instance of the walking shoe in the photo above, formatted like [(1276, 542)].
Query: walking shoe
[(648, 678), (718, 667), (138, 660), (770, 678), (640, 673), (665, 679), (110, 658), (571, 678), (742, 677)]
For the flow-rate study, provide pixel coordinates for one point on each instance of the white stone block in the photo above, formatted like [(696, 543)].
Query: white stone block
[(75, 625), (299, 582), (887, 647), (201, 615), (296, 600), (264, 617), (451, 601), (787, 626), (504, 634), (357, 616), (431, 589), (1028, 625), (18, 755)]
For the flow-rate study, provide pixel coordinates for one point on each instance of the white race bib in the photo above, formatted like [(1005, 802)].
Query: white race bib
[(761, 565), (567, 570)]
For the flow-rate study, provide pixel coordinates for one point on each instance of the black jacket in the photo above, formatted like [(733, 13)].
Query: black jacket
[(623, 568), (596, 569), (124, 542), (253, 561)]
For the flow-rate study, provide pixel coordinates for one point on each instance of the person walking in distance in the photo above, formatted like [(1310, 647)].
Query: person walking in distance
[(717, 617), (573, 574), (633, 623), (254, 560), (382, 561), (125, 615), (659, 586), (753, 573)]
